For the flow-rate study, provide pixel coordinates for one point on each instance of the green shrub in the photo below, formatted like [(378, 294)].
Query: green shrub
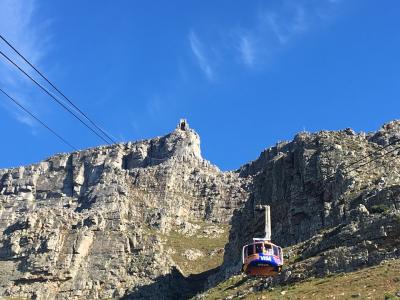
[(378, 209), (389, 296)]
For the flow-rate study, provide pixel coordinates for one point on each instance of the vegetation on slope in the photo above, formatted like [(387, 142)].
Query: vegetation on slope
[(377, 282), (211, 247), (205, 240)]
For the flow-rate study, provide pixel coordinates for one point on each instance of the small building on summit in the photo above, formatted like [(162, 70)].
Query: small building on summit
[(183, 125)]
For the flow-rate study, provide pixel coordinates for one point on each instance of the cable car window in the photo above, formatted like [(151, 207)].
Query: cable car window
[(276, 251), (259, 248), (250, 250), (267, 246)]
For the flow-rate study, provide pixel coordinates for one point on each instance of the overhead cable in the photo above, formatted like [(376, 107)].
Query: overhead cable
[(333, 176), (395, 141), (53, 97), (37, 119), (58, 90)]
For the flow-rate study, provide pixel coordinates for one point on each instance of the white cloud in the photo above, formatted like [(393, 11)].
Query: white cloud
[(276, 27), (16, 111), (26, 119), (17, 26), (200, 54), (300, 20), (287, 23), (246, 48)]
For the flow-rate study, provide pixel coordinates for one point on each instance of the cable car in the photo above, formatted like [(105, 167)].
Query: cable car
[(262, 258)]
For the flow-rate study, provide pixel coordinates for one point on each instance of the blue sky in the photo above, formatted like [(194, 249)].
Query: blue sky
[(246, 74)]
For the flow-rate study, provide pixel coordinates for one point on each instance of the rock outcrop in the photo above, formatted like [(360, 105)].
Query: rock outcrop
[(145, 219), (332, 210), (92, 224)]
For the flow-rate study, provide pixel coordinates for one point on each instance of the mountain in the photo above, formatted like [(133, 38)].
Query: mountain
[(153, 220), (335, 203), (101, 223)]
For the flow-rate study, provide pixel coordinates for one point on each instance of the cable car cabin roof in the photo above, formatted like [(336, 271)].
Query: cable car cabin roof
[(261, 247), (263, 241)]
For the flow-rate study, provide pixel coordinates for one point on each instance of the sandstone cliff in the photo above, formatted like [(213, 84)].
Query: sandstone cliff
[(96, 223), (149, 219), (331, 214)]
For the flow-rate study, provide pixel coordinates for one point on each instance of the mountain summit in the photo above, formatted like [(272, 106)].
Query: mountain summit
[(98, 223), (153, 219)]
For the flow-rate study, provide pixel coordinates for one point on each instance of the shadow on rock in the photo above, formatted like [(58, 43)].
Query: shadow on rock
[(172, 286)]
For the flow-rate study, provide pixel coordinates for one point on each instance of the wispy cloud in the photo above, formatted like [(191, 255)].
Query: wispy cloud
[(201, 56), (274, 27), (26, 119), (286, 24), (247, 50), (17, 26), (154, 107)]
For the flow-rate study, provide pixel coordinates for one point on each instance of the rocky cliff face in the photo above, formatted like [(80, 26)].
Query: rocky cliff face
[(330, 213), (135, 220), (95, 223)]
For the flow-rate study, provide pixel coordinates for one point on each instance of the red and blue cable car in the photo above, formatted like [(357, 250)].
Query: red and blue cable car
[(262, 258)]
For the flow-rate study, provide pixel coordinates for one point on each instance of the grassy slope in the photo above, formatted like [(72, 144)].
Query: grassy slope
[(179, 243), (377, 282), (212, 248)]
